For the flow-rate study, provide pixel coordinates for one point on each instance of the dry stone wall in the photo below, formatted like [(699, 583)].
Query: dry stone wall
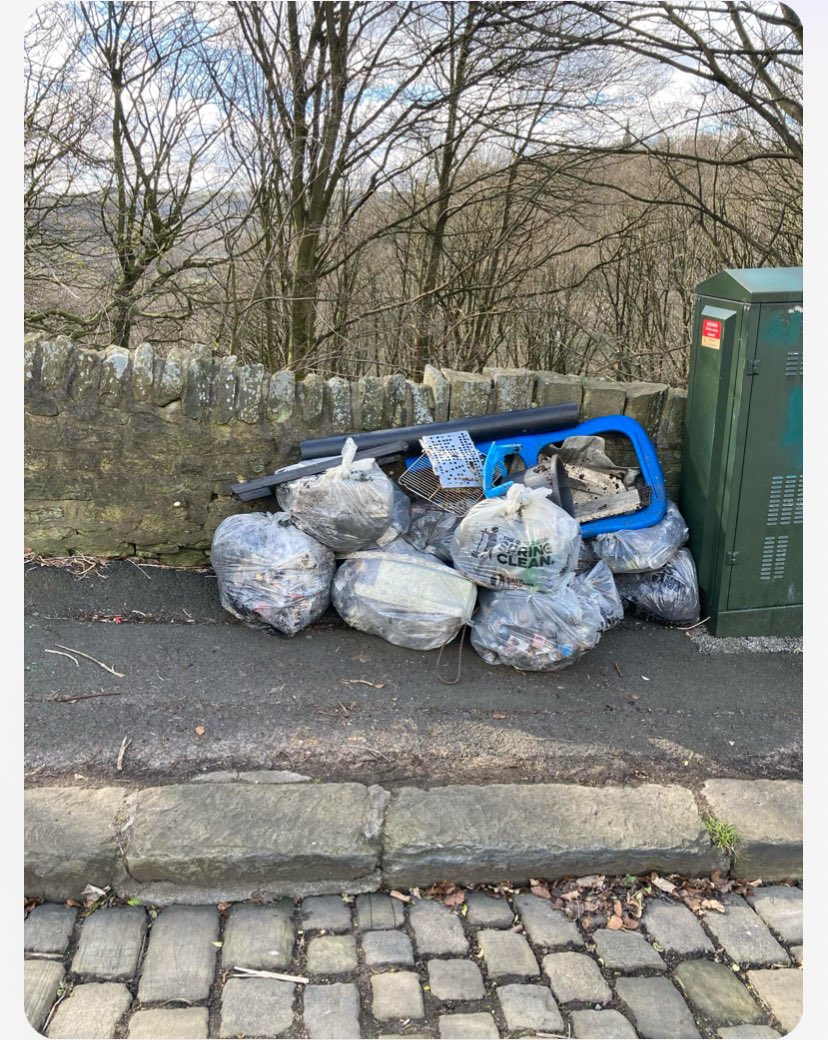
[(129, 453)]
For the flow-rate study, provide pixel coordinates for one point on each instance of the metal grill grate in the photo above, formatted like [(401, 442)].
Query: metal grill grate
[(455, 460), (421, 480)]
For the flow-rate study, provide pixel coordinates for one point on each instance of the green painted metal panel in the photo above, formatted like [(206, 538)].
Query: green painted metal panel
[(754, 284), (768, 529), (741, 485)]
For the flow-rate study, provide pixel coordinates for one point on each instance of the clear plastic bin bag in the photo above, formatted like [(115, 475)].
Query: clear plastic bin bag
[(432, 529), (647, 549), (598, 586), (669, 596), (400, 517), (520, 540), (405, 596), (347, 507), (535, 631), (270, 574)]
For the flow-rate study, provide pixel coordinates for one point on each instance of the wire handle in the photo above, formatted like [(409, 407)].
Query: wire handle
[(456, 679)]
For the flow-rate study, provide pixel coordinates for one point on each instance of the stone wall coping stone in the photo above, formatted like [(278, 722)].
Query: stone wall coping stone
[(198, 843), (185, 423)]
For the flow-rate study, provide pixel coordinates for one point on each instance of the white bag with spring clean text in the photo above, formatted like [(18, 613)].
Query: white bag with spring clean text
[(521, 540)]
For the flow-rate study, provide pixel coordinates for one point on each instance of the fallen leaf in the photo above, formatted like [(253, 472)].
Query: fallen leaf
[(615, 923), (616, 906), (72, 902), (455, 898), (93, 892), (590, 881), (663, 884), (200, 731), (713, 904), (540, 890), (570, 895), (633, 697), (631, 922), (401, 896), (498, 714)]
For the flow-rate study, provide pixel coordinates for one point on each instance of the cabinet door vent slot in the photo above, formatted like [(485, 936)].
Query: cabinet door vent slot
[(774, 555), (785, 501), (794, 364)]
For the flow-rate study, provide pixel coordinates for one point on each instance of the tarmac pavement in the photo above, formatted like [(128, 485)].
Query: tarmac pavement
[(199, 692), (243, 803)]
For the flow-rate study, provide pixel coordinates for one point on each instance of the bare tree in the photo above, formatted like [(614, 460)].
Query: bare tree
[(60, 109), (143, 162), (361, 187)]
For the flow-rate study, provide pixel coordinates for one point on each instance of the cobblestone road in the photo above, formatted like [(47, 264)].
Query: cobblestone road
[(373, 966)]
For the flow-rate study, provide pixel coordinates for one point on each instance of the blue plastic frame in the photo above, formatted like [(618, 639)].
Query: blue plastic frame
[(530, 445)]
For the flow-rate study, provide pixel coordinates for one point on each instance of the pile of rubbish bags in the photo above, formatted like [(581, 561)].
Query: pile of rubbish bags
[(514, 568)]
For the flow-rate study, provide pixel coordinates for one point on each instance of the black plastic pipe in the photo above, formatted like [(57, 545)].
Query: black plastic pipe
[(480, 428)]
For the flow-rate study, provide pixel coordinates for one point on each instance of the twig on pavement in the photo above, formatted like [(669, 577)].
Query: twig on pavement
[(691, 627), (84, 696), (62, 654), (119, 765), (255, 973), (140, 568), (89, 657)]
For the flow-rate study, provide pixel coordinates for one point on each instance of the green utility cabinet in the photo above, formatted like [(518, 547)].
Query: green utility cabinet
[(741, 474)]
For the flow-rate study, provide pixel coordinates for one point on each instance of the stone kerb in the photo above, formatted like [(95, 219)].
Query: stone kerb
[(196, 843), (102, 423)]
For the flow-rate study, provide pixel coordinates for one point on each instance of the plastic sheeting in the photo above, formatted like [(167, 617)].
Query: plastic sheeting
[(346, 508), (521, 540), (407, 597), (647, 549), (669, 596), (270, 574)]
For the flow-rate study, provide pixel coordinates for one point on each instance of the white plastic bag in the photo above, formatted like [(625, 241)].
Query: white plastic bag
[(270, 574), (403, 595), (669, 596), (535, 631), (647, 549), (345, 508), (520, 540)]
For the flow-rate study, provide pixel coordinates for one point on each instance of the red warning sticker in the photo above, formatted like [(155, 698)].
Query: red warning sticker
[(711, 333)]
